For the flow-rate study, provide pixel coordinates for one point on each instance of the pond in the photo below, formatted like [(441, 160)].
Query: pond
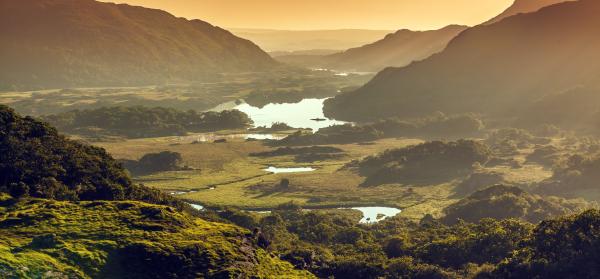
[(376, 213), (370, 214), (196, 206), (210, 137), (288, 170), (307, 113)]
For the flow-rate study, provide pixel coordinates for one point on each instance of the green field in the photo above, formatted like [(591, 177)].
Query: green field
[(225, 175)]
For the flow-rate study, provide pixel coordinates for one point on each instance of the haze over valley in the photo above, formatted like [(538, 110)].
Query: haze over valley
[(299, 139)]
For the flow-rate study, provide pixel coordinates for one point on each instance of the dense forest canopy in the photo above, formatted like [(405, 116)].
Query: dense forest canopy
[(36, 161)]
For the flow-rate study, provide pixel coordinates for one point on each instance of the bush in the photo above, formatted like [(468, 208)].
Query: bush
[(154, 162)]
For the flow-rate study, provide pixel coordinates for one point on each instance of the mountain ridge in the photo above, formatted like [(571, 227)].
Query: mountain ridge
[(524, 6), (545, 52), (68, 43), (394, 50)]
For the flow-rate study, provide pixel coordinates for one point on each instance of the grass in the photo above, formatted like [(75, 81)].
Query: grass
[(238, 179), (228, 176), (50, 239)]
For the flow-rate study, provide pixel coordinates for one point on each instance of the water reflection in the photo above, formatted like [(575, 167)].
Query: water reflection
[(297, 115)]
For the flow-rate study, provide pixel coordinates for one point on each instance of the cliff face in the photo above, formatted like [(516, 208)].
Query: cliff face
[(53, 43), (490, 68)]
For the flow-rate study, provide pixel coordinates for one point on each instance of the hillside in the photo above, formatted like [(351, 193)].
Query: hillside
[(68, 43), (497, 68), (524, 6), (36, 161), (50, 239), (395, 50), (505, 202)]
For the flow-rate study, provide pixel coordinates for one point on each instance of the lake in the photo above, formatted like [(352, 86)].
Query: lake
[(210, 137), (370, 213), (288, 170), (297, 115)]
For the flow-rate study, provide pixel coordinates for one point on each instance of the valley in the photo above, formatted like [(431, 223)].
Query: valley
[(422, 139)]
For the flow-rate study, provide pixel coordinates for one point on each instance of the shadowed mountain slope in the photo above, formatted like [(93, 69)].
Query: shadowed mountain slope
[(494, 68), (60, 43)]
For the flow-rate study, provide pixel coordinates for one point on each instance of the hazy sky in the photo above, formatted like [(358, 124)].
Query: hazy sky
[(331, 14)]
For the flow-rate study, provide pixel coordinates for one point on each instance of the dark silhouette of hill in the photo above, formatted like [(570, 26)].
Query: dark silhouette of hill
[(60, 43), (524, 6), (395, 50), (496, 68)]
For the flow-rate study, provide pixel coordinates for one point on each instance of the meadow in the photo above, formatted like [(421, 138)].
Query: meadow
[(225, 174)]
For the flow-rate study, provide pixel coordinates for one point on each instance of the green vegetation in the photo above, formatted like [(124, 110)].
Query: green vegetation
[(577, 173), (36, 161), (305, 154), (425, 162), (51, 239), (143, 122), (331, 243), (436, 126), (154, 162), (504, 202), (561, 248)]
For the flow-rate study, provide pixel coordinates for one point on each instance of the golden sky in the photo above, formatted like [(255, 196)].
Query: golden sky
[(331, 14)]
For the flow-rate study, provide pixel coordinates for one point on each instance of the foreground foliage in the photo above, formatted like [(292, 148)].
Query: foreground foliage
[(35, 160), (53, 239)]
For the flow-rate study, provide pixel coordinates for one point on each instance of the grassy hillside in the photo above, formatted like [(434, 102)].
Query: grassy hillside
[(50, 239)]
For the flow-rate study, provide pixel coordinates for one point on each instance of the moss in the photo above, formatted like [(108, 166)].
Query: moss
[(118, 239)]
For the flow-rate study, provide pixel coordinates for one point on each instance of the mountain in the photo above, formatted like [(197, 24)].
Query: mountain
[(395, 50), (60, 43), (524, 6), (497, 68), (301, 40)]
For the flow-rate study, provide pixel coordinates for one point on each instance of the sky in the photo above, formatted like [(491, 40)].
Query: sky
[(331, 14)]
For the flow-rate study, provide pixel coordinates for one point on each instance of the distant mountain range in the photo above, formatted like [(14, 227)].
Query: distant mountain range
[(524, 6), (395, 50), (60, 43), (496, 68), (303, 40)]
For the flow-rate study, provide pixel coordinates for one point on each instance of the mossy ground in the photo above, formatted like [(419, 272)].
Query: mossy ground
[(51, 239)]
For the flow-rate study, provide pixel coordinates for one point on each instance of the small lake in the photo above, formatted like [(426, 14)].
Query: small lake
[(297, 115), (196, 206), (210, 137), (370, 214), (288, 170)]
